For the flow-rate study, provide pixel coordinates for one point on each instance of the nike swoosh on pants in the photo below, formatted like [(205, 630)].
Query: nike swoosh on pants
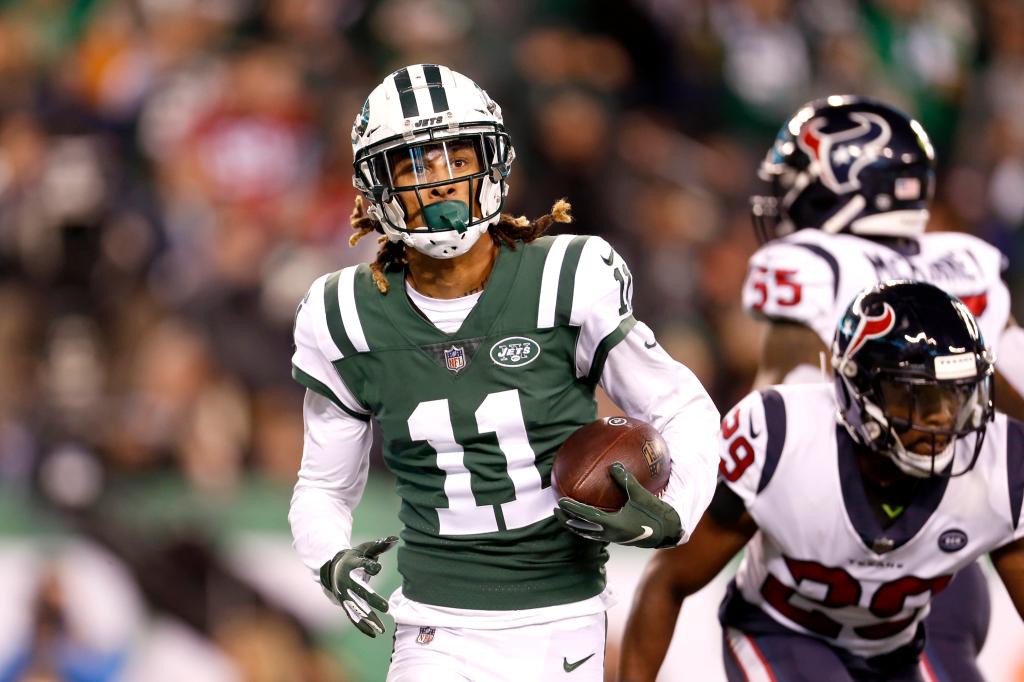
[(569, 667)]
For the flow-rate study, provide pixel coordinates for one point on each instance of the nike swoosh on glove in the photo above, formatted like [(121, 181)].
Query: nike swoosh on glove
[(346, 577), (644, 521)]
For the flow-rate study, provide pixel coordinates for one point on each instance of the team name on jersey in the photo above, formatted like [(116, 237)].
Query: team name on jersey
[(873, 563)]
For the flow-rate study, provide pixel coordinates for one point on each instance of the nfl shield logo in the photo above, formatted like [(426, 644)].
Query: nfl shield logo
[(426, 636), (455, 358), (653, 457)]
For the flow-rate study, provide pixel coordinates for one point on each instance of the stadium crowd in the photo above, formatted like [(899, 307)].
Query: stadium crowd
[(175, 173)]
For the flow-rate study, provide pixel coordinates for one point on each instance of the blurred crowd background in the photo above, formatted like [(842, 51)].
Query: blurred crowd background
[(175, 173)]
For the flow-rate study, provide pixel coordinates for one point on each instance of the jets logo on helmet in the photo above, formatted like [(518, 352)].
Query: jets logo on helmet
[(841, 154), (424, 130), (362, 121)]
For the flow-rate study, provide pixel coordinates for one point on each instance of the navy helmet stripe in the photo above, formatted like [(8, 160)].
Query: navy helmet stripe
[(438, 96), (405, 94)]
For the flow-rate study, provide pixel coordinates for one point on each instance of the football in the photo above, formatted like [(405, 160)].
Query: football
[(581, 464)]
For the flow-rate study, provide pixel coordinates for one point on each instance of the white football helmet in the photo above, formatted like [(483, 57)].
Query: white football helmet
[(423, 130)]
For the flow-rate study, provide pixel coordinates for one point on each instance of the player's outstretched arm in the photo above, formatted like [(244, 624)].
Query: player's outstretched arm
[(335, 460), (623, 356), (1009, 563), (787, 346), (674, 574), (647, 383), (332, 476)]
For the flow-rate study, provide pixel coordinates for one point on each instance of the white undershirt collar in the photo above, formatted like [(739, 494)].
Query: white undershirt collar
[(447, 314)]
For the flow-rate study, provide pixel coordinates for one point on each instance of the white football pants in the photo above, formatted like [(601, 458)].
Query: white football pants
[(570, 650)]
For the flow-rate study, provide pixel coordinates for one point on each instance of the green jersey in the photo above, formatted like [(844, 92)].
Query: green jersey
[(471, 421)]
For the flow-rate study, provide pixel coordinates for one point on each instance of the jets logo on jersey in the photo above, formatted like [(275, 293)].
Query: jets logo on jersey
[(455, 358), (841, 154), (515, 351), (871, 328)]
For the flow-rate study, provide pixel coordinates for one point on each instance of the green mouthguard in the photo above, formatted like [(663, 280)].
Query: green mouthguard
[(447, 215)]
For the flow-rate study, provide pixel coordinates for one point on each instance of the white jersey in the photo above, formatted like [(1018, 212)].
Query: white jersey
[(810, 277), (821, 563)]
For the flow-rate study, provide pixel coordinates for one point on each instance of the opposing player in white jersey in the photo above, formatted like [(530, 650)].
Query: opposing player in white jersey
[(477, 345), (860, 174), (832, 585), (849, 182)]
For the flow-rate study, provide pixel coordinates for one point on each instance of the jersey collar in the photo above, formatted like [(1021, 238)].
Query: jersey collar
[(497, 292), (858, 508)]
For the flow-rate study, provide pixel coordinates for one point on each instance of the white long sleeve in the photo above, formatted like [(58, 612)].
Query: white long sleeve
[(335, 461), (648, 384)]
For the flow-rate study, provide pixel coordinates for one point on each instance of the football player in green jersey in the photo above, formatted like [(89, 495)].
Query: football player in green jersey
[(477, 344)]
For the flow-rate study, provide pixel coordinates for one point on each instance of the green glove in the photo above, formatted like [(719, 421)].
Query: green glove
[(644, 521), (346, 579)]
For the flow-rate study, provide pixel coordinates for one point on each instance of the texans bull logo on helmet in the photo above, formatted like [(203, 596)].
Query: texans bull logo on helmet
[(871, 328), (841, 154), (846, 164)]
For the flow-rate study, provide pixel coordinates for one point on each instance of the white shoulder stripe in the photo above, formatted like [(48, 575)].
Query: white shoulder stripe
[(591, 267), (549, 281), (319, 317), (349, 314)]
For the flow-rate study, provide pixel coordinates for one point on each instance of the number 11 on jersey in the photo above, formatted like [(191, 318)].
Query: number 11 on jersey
[(501, 414)]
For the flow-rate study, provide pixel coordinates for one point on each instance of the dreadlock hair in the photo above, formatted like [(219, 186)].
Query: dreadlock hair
[(508, 230)]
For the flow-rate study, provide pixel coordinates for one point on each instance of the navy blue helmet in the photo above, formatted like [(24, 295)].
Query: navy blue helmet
[(907, 356), (846, 164)]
